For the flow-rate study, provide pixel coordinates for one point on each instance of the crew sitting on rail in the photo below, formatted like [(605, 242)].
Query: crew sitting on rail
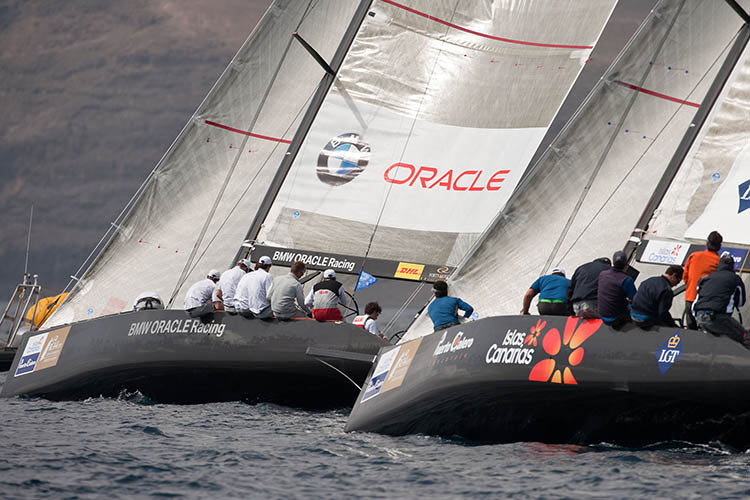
[(252, 291), (584, 286), (443, 310), (552, 290), (148, 300), (368, 320), (718, 294), (285, 291), (653, 300), (615, 291), (198, 297), (325, 297), (228, 284)]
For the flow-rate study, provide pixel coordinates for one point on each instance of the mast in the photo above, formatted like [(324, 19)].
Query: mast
[(692, 132), (307, 120)]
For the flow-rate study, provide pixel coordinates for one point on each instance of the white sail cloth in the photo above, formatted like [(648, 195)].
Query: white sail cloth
[(192, 214), (583, 199)]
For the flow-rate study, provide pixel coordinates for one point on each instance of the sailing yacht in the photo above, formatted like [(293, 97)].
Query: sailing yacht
[(376, 138), (652, 162)]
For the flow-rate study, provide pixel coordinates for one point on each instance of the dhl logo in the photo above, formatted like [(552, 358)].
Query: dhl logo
[(409, 271)]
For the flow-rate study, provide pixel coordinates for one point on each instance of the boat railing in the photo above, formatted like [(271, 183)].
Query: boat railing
[(25, 297)]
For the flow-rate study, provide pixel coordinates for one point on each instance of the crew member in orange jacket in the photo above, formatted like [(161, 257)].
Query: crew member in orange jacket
[(698, 265)]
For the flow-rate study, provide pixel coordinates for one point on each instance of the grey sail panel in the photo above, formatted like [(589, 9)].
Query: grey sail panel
[(711, 190), (193, 212), (436, 112), (584, 197)]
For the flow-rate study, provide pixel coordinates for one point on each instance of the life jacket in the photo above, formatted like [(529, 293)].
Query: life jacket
[(360, 321)]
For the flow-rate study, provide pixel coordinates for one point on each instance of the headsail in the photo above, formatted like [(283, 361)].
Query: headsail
[(194, 210), (436, 112), (583, 198)]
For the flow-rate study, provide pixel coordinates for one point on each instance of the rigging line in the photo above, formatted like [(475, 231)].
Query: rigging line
[(244, 193), (406, 143), (638, 160), (610, 142), (403, 306), (233, 166)]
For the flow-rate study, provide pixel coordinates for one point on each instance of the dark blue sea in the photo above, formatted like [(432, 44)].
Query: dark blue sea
[(131, 448)]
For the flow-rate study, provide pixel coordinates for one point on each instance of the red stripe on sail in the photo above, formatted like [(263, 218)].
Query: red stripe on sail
[(658, 94), (245, 132), (485, 35)]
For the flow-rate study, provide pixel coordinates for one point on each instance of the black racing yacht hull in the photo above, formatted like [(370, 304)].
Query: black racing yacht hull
[(171, 358), (560, 380)]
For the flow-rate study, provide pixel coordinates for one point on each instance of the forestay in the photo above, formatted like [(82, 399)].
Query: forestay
[(193, 212), (434, 116), (583, 198)]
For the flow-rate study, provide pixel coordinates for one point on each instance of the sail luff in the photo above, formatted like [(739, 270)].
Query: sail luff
[(739, 10), (307, 120), (696, 125)]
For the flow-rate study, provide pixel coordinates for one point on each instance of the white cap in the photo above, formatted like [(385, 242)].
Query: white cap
[(213, 274), (245, 263), (558, 270), (329, 274), (265, 261)]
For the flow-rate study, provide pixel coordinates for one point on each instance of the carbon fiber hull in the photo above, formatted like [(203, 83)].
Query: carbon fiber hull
[(171, 358), (560, 380)]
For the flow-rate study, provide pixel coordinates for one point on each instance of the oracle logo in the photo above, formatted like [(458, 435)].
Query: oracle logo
[(428, 178)]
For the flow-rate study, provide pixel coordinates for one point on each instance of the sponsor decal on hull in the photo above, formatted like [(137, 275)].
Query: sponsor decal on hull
[(400, 368), (385, 363), (409, 271), (452, 346), (42, 351), (669, 352), (665, 252), (514, 349), (563, 351), (175, 326)]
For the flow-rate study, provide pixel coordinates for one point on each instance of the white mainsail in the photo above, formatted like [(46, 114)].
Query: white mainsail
[(436, 112), (583, 199), (193, 212)]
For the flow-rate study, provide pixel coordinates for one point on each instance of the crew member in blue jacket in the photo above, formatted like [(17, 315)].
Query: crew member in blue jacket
[(443, 310), (653, 300), (552, 290)]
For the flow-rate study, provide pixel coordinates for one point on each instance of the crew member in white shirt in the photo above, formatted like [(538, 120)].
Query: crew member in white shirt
[(228, 284), (252, 295), (198, 297)]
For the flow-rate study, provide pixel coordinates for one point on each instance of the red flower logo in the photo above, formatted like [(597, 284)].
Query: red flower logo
[(563, 354), (534, 332)]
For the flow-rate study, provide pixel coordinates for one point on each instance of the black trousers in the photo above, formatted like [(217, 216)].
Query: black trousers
[(553, 308)]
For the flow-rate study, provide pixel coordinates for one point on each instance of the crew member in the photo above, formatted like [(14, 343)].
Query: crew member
[(368, 320), (552, 290), (443, 310), (718, 294), (325, 297), (583, 288), (615, 291), (216, 299), (698, 265), (198, 297), (228, 284), (253, 291), (287, 297), (653, 300)]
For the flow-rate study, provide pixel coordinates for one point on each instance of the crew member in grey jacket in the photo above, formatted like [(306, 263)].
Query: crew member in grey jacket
[(286, 290)]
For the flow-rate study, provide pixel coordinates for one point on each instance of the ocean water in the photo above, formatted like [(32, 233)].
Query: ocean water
[(131, 448)]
